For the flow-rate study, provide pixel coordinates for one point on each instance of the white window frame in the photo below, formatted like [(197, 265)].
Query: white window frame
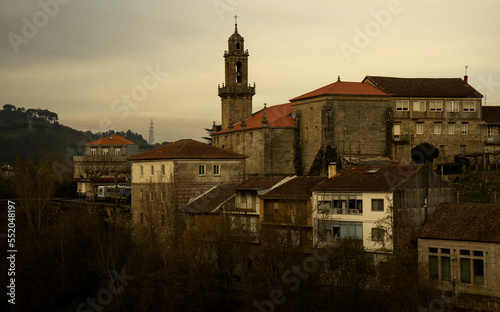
[(469, 106), (105, 151), (464, 128), (93, 151), (420, 128), (419, 106), (435, 106), (201, 170), (216, 170), (451, 128), (491, 132), (403, 106), (437, 128), (142, 170), (118, 152), (452, 106)]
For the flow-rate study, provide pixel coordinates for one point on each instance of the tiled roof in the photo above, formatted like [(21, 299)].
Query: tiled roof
[(368, 178), (343, 88), (258, 183), (187, 149), (296, 188), (424, 87), (278, 116), (491, 114), (212, 199), (112, 140), (464, 222)]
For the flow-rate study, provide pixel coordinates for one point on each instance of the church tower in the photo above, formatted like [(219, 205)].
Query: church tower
[(236, 94)]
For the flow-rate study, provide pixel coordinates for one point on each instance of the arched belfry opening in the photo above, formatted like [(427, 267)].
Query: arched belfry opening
[(238, 72)]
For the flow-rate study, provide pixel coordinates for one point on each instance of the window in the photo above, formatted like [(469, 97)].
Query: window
[(397, 132), (377, 205), (437, 128), (445, 268), (465, 129), (451, 128), (152, 170), (340, 203), (441, 150), (402, 105), (162, 169), (141, 216), (472, 267), (142, 171), (332, 230), (469, 106), (201, 170), (378, 235), (93, 151), (463, 149), (420, 128), (216, 170), (118, 152), (452, 106), (105, 151), (434, 267), (151, 196), (491, 131), (419, 106), (435, 106)]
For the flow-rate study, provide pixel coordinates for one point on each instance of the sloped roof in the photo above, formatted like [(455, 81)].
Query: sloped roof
[(463, 222), (212, 199), (296, 188), (424, 87), (112, 140), (368, 179), (491, 114), (258, 183), (343, 88), (278, 116), (187, 149)]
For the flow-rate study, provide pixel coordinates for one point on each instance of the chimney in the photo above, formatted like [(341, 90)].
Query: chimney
[(466, 78), (332, 170)]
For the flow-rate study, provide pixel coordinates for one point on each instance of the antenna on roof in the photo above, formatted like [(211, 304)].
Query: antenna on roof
[(466, 78)]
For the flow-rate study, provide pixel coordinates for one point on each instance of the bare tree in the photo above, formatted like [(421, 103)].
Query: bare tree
[(94, 167)]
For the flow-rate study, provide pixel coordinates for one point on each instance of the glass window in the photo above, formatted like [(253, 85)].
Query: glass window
[(420, 128), (402, 105), (465, 274), (435, 106), (163, 169), (216, 170), (377, 205), (117, 152), (437, 128), (451, 128), (105, 151), (469, 106), (465, 129), (478, 271), (201, 170), (152, 170), (378, 235), (452, 106), (93, 151), (445, 269), (433, 250), (433, 267), (419, 106)]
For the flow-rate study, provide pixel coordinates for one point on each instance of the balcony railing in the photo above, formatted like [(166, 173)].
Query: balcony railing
[(344, 211), (492, 140)]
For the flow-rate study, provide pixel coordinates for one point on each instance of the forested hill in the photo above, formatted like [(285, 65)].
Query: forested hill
[(19, 139)]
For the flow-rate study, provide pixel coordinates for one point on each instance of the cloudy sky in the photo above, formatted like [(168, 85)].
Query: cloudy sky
[(118, 64)]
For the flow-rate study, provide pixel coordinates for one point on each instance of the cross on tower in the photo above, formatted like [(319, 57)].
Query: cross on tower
[(236, 19)]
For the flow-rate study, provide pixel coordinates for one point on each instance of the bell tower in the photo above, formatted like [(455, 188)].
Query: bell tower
[(236, 94)]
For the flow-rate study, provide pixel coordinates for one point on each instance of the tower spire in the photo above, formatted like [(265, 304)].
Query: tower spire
[(236, 23)]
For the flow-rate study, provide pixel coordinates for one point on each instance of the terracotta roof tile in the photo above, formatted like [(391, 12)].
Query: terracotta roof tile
[(187, 149), (343, 88), (424, 87), (491, 114), (368, 178), (296, 188), (259, 183), (278, 116), (112, 140), (464, 222)]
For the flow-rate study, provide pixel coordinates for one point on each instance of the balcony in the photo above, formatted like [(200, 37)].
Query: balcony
[(241, 90), (492, 140), (400, 138)]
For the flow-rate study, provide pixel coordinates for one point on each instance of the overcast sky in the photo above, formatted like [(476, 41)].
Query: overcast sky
[(118, 64)]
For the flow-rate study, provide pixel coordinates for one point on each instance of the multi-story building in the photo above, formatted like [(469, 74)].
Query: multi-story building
[(443, 112), (491, 132), (191, 167), (459, 251), (360, 201), (104, 162)]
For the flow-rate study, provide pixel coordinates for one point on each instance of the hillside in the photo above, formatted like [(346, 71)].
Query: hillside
[(17, 139)]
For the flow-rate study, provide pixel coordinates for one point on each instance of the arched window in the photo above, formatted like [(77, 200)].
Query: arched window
[(237, 46), (238, 72)]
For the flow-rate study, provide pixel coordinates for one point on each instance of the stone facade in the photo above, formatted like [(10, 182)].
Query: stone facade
[(355, 125)]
